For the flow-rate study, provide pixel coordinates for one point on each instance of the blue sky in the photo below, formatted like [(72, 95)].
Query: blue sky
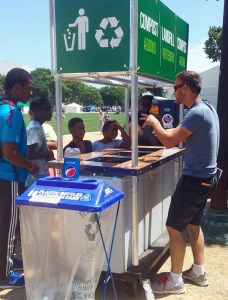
[(25, 39)]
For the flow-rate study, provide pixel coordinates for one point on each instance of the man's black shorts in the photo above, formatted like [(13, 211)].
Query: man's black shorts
[(188, 201)]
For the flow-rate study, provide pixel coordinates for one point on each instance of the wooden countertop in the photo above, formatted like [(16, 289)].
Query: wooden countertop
[(109, 161)]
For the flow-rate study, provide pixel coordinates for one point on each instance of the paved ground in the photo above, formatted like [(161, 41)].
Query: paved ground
[(92, 136), (217, 270), (216, 267)]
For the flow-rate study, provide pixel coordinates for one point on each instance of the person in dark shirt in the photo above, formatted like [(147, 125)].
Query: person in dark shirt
[(77, 130), (145, 135)]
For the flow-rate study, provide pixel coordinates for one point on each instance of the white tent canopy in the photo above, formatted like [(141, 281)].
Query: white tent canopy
[(73, 108)]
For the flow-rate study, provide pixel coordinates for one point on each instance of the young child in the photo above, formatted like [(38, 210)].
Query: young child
[(110, 132), (40, 111), (106, 117), (77, 130), (101, 119)]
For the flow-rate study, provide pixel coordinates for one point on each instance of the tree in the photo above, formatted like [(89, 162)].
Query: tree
[(141, 91), (72, 92), (112, 95), (43, 84), (156, 91), (213, 44), (91, 95), (2, 78)]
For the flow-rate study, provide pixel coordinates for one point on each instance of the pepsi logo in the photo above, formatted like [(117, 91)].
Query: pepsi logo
[(70, 171)]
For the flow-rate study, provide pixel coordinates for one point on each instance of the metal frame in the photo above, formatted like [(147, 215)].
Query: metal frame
[(128, 79)]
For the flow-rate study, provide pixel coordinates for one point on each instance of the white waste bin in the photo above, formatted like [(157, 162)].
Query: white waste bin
[(62, 222)]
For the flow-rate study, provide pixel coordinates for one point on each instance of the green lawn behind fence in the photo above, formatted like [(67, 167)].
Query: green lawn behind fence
[(90, 120)]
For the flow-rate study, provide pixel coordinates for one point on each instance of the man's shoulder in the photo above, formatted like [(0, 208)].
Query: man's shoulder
[(200, 110)]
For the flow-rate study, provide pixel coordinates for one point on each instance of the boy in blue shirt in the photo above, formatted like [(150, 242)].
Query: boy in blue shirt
[(14, 168)]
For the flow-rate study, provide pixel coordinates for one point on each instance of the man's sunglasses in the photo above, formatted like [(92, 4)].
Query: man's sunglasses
[(177, 86)]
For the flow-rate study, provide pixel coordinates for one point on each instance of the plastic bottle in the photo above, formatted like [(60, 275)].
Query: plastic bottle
[(72, 152), (148, 290)]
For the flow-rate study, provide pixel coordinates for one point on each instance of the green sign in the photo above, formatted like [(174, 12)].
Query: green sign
[(92, 36), (162, 40)]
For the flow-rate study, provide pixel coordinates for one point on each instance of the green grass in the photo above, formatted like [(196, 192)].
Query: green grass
[(90, 120)]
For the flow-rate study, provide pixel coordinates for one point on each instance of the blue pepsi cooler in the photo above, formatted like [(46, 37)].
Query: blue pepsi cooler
[(62, 250)]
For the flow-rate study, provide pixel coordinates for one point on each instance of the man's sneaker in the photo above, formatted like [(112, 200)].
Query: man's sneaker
[(17, 264), (200, 280), (166, 286), (14, 281)]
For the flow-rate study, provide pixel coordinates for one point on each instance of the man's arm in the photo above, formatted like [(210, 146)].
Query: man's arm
[(169, 138), (11, 153)]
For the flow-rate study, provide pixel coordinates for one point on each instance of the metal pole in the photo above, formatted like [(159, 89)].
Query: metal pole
[(59, 117), (58, 87), (134, 80), (52, 33), (126, 110), (134, 126)]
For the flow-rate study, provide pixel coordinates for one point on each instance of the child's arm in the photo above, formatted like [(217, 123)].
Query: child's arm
[(51, 137), (52, 145), (125, 137)]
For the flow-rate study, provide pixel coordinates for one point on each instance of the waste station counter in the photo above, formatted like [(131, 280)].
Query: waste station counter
[(157, 173), (117, 162)]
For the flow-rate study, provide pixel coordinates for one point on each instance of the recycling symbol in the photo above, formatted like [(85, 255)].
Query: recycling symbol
[(115, 40)]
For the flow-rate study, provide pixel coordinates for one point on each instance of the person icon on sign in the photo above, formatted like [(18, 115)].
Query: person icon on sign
[(83, 27)]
